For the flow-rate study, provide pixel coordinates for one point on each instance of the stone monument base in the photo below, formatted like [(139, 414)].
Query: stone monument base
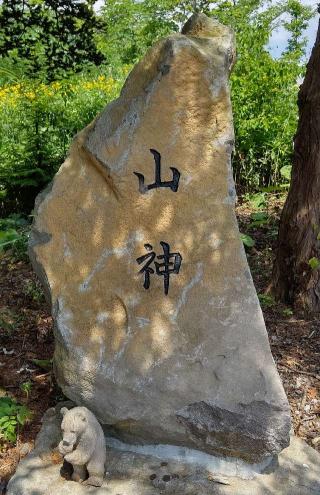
[(296, 471)]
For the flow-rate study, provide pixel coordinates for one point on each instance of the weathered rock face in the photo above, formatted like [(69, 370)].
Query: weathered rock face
[(157, 324), (158, 472)]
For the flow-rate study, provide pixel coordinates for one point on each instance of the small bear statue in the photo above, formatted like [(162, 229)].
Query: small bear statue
[(83, 445)]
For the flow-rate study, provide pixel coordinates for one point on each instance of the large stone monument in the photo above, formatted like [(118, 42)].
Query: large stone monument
[(158, 328)]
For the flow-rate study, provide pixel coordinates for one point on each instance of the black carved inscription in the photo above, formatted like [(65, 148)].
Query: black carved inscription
[(146, 269), (170, 263), (172, 184)]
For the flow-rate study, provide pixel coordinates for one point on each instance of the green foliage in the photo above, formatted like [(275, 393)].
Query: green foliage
[(45, 364), (287, 312), (34, 290), (266, 300), (15, 220), (50, 37), (259, 219), (314, 263), (247, 240), (8, 321), (131, 27), (26, 388), (47, 40), (256, 200), (264, 92), (11, 416), (8, 238), (299, 16), (37, 124), (285, 172), (14, 235), (13, 70)]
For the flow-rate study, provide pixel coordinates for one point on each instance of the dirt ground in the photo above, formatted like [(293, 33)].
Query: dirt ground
[(26, 334)]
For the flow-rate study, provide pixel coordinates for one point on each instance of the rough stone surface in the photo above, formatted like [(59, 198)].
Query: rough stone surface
[(192, 367), (296, 472)]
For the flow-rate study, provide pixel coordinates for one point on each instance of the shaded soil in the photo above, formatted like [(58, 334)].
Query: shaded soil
[(26, 334), (294, 337)]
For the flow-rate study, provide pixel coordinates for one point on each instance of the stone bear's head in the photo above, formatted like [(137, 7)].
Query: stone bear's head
[(74, 423)]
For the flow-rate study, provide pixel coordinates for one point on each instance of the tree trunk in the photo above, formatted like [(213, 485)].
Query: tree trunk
[(296, 279)]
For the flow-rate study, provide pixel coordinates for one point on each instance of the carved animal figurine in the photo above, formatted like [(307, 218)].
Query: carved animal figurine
[(83, 445)]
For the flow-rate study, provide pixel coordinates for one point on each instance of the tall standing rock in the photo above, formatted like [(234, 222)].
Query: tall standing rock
[(158, 328)]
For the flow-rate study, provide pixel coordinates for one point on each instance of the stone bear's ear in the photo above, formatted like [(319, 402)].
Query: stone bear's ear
[(63, 411), (81, 416)]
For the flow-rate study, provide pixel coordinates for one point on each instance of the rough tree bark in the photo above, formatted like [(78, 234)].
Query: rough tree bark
[(295, 281)]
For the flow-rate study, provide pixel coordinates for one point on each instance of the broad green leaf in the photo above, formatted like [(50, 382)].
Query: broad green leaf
[(259, 216), (43, 363), (286, 172), (257, 200), (247, 240), (266, 300)]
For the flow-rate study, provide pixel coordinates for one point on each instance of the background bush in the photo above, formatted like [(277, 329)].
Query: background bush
[(50, 89), (37, 124)]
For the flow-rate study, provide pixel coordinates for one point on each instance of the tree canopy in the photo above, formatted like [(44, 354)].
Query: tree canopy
[(51, 37), (45, 41)]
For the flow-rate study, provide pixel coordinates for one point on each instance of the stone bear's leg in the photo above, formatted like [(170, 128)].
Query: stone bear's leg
[(79, 473), (95, 469)]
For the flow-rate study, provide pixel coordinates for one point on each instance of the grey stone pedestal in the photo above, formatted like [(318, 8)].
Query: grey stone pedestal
[(296, 471)]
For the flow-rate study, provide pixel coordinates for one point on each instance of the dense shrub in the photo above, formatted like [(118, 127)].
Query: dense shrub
[(37, 124), (38, 119)]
